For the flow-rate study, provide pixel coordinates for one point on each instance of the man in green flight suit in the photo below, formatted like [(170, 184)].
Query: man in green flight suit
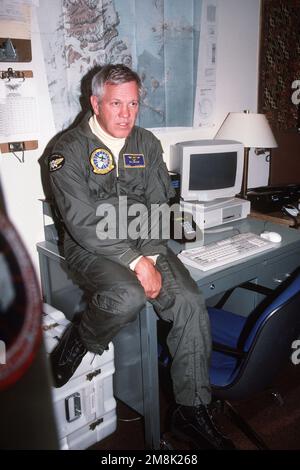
[(104, 160)]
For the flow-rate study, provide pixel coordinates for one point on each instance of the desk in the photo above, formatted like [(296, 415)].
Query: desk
[(136, 376), (265, 267), (277, 217)]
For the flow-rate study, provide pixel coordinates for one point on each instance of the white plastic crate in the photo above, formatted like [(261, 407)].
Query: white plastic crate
[(85, 407), (91, 433), (54, 324)]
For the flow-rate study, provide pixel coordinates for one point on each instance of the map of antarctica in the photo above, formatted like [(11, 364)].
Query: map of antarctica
[(147, 35)]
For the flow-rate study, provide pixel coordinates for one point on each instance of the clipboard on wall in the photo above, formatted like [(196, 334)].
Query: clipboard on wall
[(19, 124)]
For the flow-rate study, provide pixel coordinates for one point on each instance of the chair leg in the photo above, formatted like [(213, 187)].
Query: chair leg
[(245, 427)]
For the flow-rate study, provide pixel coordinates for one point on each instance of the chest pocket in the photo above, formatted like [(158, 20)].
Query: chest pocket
[(134, 179), (132, 172)]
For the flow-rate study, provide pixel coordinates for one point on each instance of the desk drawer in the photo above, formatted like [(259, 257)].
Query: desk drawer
[(275, 271), (217, 285)]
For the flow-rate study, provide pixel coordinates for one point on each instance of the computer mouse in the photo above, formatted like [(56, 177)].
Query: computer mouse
[(271, 236)]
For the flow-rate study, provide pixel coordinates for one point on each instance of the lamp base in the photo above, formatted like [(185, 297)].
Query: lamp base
[(243, 193)]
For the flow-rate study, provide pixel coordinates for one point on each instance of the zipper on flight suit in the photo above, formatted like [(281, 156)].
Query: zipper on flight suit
[(117, 169), (118, 186)]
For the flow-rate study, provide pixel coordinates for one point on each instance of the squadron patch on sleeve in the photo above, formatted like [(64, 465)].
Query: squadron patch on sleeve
[(134, 160), (56, 162), (102, 161)]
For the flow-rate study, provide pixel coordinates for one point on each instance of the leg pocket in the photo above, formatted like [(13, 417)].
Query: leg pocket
[(163, 302)]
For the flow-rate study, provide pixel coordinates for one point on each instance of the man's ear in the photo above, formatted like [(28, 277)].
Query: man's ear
[(95, 104)]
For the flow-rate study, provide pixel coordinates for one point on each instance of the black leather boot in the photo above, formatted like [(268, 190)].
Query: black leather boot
[(195, 424), (67, 355)]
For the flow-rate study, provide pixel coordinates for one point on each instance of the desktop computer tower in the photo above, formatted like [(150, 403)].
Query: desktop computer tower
[(221, 211)]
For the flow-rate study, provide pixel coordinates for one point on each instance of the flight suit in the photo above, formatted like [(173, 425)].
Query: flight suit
[(85, 178)]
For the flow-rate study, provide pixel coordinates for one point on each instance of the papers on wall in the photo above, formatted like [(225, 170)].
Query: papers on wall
[(18, 110), (205, 101)]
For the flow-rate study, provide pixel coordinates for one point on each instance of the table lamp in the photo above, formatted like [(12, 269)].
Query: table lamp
[(253, 130)]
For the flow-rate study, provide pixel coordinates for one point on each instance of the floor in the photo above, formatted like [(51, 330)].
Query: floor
[(278, 423)]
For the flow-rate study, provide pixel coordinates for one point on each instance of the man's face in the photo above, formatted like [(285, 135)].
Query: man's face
[(118, 108)]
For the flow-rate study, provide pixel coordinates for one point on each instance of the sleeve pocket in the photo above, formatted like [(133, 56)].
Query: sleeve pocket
[(165, 182)]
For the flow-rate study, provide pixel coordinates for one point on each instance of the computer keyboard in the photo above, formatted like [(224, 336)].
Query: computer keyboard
[(225, 251)]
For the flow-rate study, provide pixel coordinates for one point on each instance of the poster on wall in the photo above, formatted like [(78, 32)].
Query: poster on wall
[(163, 46)]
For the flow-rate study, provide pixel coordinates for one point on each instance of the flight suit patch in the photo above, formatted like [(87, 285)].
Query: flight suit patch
[(101, 161), (56, 162), (134, 160)]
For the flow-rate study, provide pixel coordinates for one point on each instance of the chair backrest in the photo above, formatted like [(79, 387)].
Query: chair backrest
[(266, 340)]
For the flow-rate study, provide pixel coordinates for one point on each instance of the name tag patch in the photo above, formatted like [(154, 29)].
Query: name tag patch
[(134, 160)]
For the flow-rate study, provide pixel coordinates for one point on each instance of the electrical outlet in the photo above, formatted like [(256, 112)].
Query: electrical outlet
[(16, 146)]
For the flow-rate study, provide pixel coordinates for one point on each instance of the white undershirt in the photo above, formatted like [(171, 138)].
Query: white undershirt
[(115, 144)]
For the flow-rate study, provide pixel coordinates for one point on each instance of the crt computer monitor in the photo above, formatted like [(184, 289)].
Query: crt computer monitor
[(209, 169)]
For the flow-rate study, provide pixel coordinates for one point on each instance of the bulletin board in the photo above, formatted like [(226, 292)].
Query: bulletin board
[(279, 62), (279, 69)]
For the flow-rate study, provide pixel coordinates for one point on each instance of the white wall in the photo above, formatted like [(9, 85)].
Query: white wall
[(237, 70), (21, 182), (237, 83)]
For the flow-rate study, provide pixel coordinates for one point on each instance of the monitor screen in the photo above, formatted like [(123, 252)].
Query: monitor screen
[(211, 173), (209, 169)]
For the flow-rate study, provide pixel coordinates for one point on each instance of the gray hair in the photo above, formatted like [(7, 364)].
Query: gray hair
[(115, 74)]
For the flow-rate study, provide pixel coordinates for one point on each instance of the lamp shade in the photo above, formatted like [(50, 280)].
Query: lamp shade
[(252, 129)]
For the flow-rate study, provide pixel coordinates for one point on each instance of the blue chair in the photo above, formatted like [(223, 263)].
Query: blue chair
[(249, 352)]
